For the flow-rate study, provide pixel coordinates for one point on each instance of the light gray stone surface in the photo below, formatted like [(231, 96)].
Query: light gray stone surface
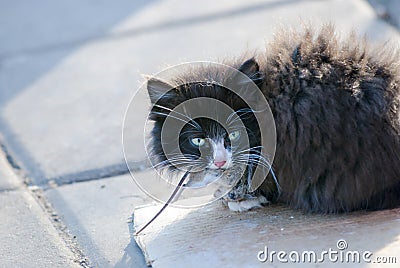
[(8, 180), (98, 213), (28, 26), (27, 237), (63, 105), (213, 236), (388, 10)]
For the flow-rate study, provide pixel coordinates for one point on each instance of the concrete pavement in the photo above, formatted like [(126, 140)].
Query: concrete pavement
[(28, 237), (67, 72), (387, 10)]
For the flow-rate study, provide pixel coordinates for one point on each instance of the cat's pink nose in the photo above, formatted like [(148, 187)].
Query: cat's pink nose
[(220, 163)]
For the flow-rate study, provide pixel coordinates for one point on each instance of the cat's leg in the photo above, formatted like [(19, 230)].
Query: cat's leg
[(249, 202), (238, 199)]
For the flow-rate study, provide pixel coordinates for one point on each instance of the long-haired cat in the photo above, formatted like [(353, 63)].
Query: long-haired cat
[(336, 109)]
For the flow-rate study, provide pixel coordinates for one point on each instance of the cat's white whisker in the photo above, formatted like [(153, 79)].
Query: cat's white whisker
[(177, 118), (263, 162), (247, 150), (195, 124)]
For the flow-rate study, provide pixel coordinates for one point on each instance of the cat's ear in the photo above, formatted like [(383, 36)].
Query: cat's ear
[(244, 80), (252, 70), (157, 89)]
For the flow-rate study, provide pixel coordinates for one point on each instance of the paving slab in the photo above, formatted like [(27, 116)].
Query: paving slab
[(53, 24), (63, 106), (388, 10), (213, 236), (98, 213), (27, 237), (8, 180)]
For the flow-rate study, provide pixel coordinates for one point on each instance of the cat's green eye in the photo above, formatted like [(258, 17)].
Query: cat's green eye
[(234, 135), (198, 141)]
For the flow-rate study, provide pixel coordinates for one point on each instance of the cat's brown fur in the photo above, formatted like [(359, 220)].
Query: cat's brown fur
[(336, 110)]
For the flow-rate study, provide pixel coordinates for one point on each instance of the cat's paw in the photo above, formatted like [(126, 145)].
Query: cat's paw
[(247, 203)]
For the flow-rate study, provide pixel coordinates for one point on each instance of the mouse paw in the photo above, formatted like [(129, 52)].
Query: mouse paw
[(247, 203)]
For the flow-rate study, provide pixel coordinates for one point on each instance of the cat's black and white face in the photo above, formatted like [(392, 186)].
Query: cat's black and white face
[(222, 141), (209, 139), (202, 141)]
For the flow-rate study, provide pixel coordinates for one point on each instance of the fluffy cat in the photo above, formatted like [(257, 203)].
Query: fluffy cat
[(336, 110)]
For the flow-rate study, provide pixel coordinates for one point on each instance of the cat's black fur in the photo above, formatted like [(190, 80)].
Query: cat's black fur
[(336, 110)]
